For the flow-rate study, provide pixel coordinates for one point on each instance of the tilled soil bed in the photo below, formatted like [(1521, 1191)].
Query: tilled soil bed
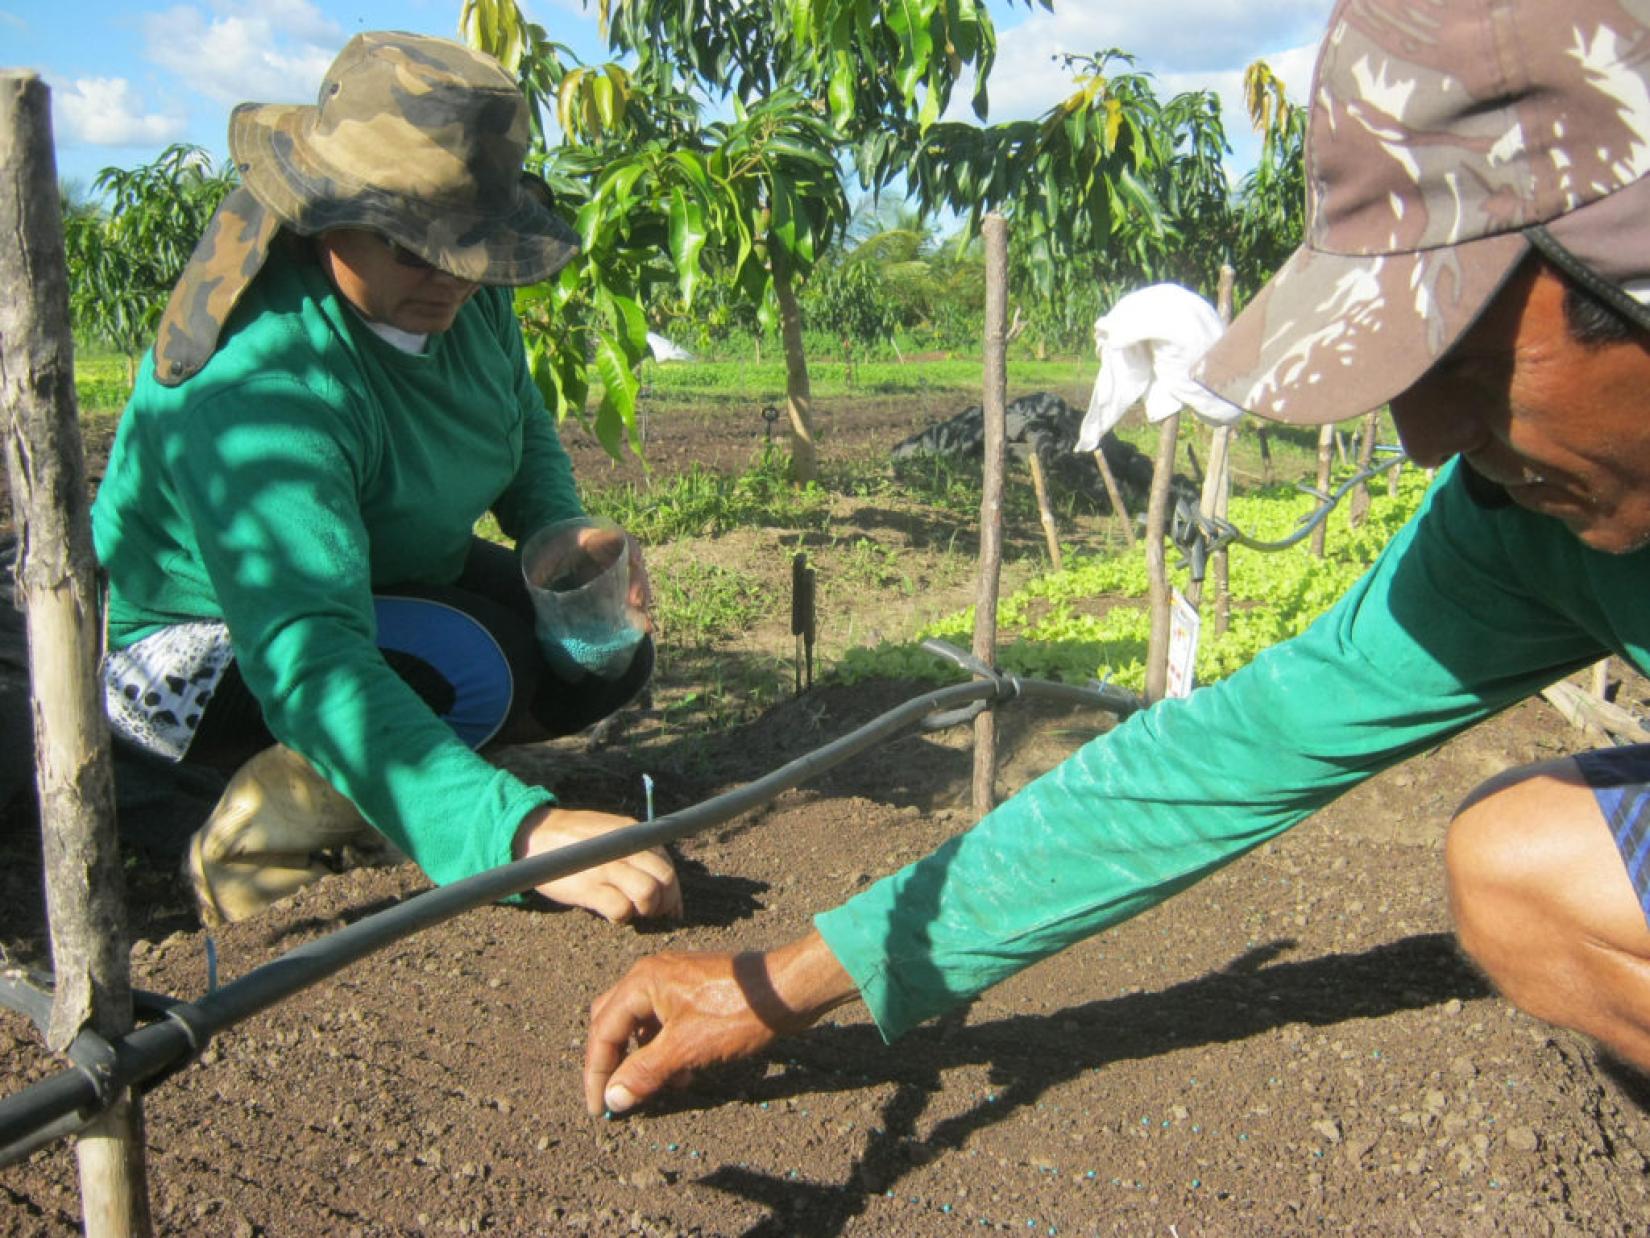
[(1292, 1047)]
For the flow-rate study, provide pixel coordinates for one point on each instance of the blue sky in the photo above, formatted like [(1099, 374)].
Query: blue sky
[(130, 77)]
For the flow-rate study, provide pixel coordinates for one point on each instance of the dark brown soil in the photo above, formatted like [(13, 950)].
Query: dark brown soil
[(1292, 1047)]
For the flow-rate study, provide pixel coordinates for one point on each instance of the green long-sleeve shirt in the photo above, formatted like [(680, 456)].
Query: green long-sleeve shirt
[(307, 463), (1470, 609)]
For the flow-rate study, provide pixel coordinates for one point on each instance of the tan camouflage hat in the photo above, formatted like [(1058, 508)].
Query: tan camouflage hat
[(417, 139), (1445, 142)]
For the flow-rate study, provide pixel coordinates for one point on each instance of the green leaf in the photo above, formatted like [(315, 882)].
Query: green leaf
[(687, 238), (617, 412), (910, 21), (783, 198)]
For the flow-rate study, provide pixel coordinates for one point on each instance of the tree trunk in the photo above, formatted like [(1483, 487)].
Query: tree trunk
[(994, 403), (56, 577), (799, 398), (1157, 571)]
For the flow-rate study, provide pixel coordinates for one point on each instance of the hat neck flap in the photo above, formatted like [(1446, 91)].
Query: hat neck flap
[(229, 254)]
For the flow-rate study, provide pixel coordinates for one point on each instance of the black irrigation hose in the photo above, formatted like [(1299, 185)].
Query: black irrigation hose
[(1222, 533), (60, 1105)]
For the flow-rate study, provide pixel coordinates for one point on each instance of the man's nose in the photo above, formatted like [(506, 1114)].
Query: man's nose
[(1432, 430)]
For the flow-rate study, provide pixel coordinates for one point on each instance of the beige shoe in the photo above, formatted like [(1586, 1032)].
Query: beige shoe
[(260, 842)]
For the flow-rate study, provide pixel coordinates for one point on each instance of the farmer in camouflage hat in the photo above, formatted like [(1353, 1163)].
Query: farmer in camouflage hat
[(1478, 247), (337, 393)]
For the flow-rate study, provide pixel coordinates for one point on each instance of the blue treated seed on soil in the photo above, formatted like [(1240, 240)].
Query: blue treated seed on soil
[(673, 1147), (1196, 1182), (1090, 1174)]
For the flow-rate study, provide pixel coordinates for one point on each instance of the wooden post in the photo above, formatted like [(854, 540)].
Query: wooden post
[(57, 582), (1326, 458), (994, 405), (1358, 506), (1217, 482), (1157, 571), (1114, 492), (1045, 513)]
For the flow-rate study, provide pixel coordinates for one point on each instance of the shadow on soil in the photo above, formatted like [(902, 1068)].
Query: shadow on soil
[(1030, 1054)]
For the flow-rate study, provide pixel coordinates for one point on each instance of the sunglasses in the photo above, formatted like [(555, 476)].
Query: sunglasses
[(405, 257)]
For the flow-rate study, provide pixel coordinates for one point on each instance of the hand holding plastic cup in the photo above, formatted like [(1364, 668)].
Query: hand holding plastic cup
[(578, 575)]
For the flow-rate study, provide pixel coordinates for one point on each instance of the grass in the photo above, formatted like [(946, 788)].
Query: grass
[(697, 604), (747, 382), (699, 503)]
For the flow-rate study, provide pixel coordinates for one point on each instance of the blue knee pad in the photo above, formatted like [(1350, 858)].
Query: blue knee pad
[(462, 651)]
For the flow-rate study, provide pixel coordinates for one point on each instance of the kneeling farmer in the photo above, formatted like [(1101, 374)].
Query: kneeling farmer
[(1478, 256), (338, 392)]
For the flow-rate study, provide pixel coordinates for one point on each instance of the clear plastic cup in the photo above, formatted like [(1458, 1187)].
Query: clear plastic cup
[(578, 575)]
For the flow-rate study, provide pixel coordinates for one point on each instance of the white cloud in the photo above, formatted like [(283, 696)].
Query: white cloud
[(106, 111), (273, 51)]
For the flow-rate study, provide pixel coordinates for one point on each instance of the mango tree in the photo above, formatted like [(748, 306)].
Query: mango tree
[(124, 259), (803, 78), (1271, 209)]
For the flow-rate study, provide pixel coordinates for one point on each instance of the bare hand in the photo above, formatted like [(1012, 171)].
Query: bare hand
[(688, 1011), (641, 586), (640, 885)]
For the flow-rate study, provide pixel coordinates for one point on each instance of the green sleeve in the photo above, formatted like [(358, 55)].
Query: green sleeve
[(269, 475), (543, 490), (1439, 634)]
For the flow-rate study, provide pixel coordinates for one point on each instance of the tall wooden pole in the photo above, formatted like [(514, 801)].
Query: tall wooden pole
[(1157, 569), (57, 582), (994, 403), (1326, 459), (1217, 485)]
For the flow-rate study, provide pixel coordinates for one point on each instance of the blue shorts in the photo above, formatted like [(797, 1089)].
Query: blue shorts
[(1620, 779)]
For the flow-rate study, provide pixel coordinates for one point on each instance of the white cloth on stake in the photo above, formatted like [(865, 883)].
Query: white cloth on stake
[(1148, 343)]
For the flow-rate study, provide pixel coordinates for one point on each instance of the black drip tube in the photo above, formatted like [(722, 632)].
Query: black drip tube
[(62, 1104)]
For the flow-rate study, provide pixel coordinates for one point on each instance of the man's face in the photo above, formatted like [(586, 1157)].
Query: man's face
[(391, 285), (1565, 427)]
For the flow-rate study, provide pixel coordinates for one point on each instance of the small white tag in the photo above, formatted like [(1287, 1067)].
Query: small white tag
[(1184, 625)]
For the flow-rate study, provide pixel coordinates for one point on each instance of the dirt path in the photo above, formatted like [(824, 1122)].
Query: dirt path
[(1292, 1047)]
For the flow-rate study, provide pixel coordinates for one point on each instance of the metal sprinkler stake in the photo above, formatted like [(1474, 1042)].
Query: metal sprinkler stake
[(802, 617)]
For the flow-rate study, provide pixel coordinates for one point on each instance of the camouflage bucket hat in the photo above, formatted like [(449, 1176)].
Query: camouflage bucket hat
[(417, 139), (1445, 143)]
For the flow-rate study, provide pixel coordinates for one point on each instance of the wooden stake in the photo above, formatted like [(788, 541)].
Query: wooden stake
[(1217, 482), (1358, 505), (1157, 571), (1220, 564), (57, 582), (1326, 458), (994, 403), (1045, 512), (1119, 508)]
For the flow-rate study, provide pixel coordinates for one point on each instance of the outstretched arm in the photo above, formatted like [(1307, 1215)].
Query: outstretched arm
[(688, 1011)]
